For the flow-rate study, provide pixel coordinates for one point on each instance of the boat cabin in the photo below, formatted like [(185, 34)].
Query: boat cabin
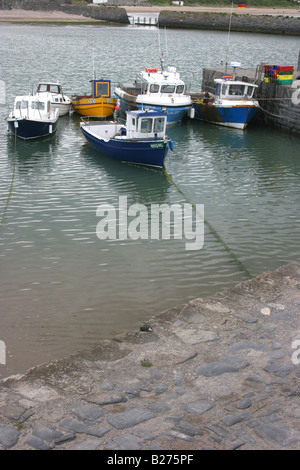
[(145, 124), (167, 81), (54, 88), (101, 88), (234, 89), (35, 106)]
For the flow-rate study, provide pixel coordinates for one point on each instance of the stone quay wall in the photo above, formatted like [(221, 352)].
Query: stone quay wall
[(220, 21), (99, 12), (280, 104)]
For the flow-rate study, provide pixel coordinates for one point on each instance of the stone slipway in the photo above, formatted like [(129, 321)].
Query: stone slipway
[(223, 374)]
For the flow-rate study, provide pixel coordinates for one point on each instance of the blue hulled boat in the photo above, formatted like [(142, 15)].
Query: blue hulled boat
[(232, 105), (142, 140), (32, 117), (159, 90)]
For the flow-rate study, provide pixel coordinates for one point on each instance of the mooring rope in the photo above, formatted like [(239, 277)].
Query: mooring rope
[(206, 222), (271, 114), (10, 188)]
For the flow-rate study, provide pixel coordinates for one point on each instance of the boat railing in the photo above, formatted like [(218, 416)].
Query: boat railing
[(93, 121)]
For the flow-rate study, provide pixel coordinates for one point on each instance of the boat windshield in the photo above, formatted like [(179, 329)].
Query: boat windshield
[(101, 89), (158, 124), (52, 88), (167, 88), (21, 104), (146, 125), (38, 105), (251, 90), (236, 90), (154, 88)]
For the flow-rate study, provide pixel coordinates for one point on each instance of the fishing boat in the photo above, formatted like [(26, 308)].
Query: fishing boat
[(32, 116), (159, 90), (232, 105), (96, 104), (58, 99), (142, 140)]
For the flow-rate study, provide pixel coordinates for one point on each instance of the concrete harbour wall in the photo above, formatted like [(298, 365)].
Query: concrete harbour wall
[(220, 21)]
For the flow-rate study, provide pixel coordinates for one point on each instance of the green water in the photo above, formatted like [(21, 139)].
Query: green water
[(62, 288)]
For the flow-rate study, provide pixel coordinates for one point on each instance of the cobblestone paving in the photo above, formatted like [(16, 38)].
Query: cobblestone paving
[(217, 373)]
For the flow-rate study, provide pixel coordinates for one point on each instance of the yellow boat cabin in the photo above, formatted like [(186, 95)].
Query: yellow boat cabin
[(99, 103)]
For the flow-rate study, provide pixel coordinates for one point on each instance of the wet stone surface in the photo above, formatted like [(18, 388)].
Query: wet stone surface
[(216, 373)]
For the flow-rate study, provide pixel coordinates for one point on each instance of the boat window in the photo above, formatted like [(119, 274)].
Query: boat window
[(133, 122), (146, 125), (154, 88), (42, 87), (18, 105), (167, 88), (180, 89), (102, 89), (218, 89), (37, 105), (24, 104), (237, 90), (54, 89), (250, 91), (158, 124)]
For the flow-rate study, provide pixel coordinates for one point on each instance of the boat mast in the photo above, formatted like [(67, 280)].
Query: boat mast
[(161, 53), (228, 37)]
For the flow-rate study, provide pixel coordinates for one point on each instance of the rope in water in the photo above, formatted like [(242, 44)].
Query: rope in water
[(218, 237), (11, 188)]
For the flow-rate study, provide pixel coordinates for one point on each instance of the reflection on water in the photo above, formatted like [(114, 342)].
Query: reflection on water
[(61, 287)]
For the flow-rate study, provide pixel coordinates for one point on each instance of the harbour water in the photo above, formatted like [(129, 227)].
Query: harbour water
[(62, 288)]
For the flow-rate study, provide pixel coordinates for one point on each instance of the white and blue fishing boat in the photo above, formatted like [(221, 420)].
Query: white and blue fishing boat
[(32, 117), (159, 90), (232, 105), (142, 140)]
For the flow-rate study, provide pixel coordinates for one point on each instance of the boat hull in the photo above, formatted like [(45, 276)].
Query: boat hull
[(63, 108), (175, 111), (94, 107), (237, 117), (140, 152), (31, 129)]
